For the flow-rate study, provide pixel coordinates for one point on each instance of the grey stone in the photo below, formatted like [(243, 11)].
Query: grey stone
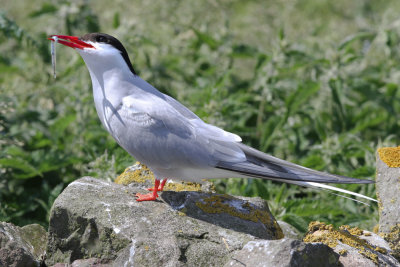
[(289, 231), (388, 192), (355, 246), (97, 219), (21, 246), (284, 252), (375, 252), (92, 262), (35, 235)]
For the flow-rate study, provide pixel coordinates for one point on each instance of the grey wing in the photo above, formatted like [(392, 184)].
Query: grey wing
[(168, 136), (261, 165)]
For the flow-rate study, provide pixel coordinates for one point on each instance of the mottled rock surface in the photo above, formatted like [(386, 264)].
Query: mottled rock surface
[(21, 246), (97, 219), (388, 187), (284, 252), (355, 246), (290, 231), (388, 193)]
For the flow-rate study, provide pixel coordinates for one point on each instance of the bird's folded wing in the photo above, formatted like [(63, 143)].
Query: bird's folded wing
[(183, 132), (261, 165)]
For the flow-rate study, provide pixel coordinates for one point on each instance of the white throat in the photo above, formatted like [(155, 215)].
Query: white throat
[(111, 79)]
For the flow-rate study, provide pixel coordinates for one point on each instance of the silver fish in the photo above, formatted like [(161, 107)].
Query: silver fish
[(53, 55)]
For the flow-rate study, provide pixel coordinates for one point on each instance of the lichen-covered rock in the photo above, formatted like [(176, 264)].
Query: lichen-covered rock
[(284, 252), (393, 238), (388, 187), (138, 175), (21, 246), (355, 246), (388, 192), (97, 219)]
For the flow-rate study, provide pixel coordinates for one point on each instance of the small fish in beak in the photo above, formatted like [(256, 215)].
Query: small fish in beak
[(53, 55)]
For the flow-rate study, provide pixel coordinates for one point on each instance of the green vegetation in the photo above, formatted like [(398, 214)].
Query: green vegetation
[(313, 82)]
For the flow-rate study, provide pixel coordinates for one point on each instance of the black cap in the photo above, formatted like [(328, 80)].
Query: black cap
[(108, 39)]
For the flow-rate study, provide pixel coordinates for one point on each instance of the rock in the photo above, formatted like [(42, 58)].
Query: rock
[(138, 175), (97, 219), (393, 237), (35, 235), (388, 187), (289, 231), (92, 262), (388, 192), (21, 246), (284, 252), (355, 246)]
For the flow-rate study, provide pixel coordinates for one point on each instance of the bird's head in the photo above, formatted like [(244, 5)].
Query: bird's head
[(97, 49)]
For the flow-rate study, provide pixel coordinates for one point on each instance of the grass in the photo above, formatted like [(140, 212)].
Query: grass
[(313, 82)]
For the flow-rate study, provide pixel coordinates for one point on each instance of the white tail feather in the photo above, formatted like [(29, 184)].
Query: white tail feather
[(325, 187), (356, 200), (329, 187)]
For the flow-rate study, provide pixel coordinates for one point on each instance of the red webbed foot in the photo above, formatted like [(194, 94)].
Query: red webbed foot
[(154, 195), (146, 197)]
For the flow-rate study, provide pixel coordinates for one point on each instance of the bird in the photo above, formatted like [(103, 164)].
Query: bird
[(171, 140)]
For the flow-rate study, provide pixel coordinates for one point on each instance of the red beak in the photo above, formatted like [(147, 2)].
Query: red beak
[(71, 41)]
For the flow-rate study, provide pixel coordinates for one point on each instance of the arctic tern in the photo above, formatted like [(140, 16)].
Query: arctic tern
[(166, 136)]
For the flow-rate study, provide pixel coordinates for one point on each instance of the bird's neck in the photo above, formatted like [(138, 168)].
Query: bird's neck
[(111, 80), (110, 77)]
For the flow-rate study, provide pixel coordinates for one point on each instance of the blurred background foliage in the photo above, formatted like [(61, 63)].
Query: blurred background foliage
[(313, 82)]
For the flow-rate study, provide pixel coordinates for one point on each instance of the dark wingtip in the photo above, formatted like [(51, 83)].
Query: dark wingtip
[(366, 181), (349, 180)]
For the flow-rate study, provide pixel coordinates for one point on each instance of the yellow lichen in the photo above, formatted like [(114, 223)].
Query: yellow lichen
[(376, 229), (343, 252), (140, 174), (369, 254), (183, 186), (180, 213), (223, 204), (354, 231), (393, 238), (390, 155), (380, 206), (327, 234)]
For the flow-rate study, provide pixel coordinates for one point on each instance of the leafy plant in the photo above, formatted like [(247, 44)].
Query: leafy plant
[(313, 82)]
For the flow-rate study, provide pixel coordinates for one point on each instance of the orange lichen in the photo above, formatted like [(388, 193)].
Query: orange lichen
[(390, 155)]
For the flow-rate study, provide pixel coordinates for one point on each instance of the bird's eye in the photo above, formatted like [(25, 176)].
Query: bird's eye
[(101, 39)]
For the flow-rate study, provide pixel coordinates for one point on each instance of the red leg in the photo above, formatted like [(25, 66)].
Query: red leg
[(162, 184), (149, 196), (161, 187)]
